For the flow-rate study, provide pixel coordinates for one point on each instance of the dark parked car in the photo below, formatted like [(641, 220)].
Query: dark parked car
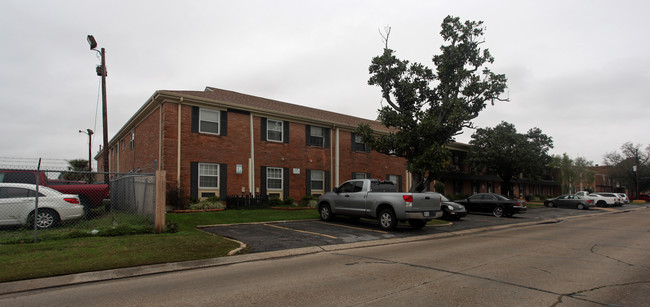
[(498, 204), (570, 201), (452, 210)]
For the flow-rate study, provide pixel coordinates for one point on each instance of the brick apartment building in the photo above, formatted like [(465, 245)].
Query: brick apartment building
[(219, 142)]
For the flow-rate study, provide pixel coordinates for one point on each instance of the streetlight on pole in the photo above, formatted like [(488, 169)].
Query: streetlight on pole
[(89, 133), (636, 177), (101, 71), (90, 164)]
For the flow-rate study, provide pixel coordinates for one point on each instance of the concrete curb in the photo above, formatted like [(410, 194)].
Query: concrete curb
[(106, 275)]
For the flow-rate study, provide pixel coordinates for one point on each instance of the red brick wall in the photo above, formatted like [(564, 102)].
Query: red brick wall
[(234, 148)]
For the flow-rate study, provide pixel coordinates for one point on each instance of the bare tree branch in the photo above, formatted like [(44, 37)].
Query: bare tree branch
[(385, 36)]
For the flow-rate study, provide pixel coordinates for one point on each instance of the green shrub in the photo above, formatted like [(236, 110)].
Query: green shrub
[(177, 199), (171, 227), (275, 201), (309, 201), (289, 202), (439, 187), (212, 202)]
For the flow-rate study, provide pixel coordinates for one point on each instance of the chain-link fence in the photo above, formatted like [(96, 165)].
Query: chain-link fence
[(37, 204)]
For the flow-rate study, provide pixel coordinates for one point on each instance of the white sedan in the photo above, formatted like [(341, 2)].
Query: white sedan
[(17, 204)]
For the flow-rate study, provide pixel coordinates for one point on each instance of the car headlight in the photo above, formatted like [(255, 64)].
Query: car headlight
[(450, 207)]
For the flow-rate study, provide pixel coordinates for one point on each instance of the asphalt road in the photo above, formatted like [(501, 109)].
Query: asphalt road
[(601, 260), (274, 236)]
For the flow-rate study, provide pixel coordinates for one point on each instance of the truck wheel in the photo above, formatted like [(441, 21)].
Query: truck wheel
[(498, 211), (325, 212), (417, 224), (387, 219)]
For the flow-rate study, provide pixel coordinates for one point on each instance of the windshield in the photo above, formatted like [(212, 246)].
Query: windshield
[(443, 198), (500, 197)]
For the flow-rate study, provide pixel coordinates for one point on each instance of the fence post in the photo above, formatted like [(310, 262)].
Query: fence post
[(161, 184)]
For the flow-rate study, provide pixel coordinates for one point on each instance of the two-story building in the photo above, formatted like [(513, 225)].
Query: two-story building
[(217, 142)]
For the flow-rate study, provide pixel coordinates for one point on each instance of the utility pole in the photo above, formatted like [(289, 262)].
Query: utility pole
[(636, 175), (101, 71), (89, 132)]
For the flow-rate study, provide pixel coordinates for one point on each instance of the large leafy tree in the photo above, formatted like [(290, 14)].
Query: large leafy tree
[(427, 107), (509, 153), (570, 174), (623, 166)]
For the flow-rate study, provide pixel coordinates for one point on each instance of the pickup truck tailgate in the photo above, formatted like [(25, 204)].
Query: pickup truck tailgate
[(425, 202)]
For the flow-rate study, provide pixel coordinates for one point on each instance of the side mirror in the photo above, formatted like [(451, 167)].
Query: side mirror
[(336, 190)]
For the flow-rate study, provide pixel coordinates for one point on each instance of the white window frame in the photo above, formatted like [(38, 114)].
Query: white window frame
[(358, 139), (268, 129), (321, 136), (321, 180), (274, 171), (360, 176), (202, 118), (132, 143), (202, 173)]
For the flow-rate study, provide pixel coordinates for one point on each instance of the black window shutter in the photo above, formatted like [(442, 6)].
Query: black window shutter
[(263, 180), (308, 135), (285, 184), (223, 126), (398, 184), (285, 126), (354, 148), (368, 176), (194, 180), (327, 181), (308, 175), (223, 181), (326, 141), (195, 119), (263, 128)]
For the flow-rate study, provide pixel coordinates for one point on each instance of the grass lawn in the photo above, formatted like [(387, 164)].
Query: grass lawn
[(52, 256), (59, 256)]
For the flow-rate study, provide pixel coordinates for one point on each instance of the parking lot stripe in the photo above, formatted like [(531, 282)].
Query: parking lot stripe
[(359, 228), (309, 232)]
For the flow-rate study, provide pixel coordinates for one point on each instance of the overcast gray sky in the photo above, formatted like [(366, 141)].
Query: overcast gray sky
[(578, 70)]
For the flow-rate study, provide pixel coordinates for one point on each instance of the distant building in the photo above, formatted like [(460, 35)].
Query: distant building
[(217, 142)]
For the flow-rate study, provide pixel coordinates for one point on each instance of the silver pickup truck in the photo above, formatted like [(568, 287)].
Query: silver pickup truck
[(372, 198)]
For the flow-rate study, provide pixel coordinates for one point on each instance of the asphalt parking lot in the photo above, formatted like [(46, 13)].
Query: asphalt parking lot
[(274, 236)]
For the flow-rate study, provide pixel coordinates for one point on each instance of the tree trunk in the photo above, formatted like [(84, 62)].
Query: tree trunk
[(506, 188), (420, 183)]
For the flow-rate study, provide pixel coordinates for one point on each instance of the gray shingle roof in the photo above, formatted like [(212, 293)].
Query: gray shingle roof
[(243, 100)]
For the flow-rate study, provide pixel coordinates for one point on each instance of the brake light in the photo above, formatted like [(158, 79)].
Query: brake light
[(590, 200), (71, 200), (408, 199)]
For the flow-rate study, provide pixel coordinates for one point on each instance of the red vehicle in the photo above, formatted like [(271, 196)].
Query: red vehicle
[(645, 197), (90, 195)]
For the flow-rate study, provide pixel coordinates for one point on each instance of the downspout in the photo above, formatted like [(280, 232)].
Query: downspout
[(178, 149), (331, 155), (251, 161), (160, 136), (337, 158)]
